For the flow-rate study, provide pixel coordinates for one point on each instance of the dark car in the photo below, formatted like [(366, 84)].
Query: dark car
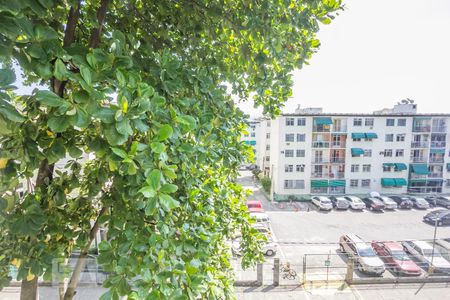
[(443, 201), (439, 217), (402, 202), (432, 200), (374, 204)]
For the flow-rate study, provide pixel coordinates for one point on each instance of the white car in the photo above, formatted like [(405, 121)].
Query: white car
[(420, 202), (355, 202), (263, 229), (261, 218), (322, 202), (388, 202), (366, 259), (269, 248), (423, 251)]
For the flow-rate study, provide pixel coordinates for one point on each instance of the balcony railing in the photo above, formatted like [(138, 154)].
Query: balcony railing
[(321, 160), (339, 128), (437, 144), (337, 160), (425, 128), (337, 145), (418, 159), (439, 129), (436, 159), (338, 175), (419, 144), (435, 175), (321, 144), (321, 129), (319, 175)]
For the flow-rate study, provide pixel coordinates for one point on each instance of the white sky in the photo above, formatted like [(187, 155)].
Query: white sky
[(376, 53)]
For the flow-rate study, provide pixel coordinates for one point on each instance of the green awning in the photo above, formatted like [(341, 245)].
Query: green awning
[(371, 135), (323, 121), (388, 165), (437, 151), (334, 183), (400, 181), (387, 182), (422, 118), (358, 135), (400, 166), (319, 183), (421, 169), (357, 151), (253, 143), (448, 167), (414, 182)]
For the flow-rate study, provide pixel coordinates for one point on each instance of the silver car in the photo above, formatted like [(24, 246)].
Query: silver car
[(420, 202), (423, 251), (388, 202), (322, 202), (269, 248), (355, 202)]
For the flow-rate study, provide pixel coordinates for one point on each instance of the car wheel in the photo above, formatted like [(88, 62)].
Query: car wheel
[(270, 252), (360, 268)]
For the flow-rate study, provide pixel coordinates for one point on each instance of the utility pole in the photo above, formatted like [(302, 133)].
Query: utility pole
[(271, 184), (430, 268)]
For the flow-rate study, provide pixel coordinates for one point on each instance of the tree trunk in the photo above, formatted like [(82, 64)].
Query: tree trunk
[(28, 289)]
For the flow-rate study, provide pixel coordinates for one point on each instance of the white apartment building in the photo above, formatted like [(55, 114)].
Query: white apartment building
[(391, 151)]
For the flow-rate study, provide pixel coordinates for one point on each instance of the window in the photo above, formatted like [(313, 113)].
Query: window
[(357, 140), (294, 184), (389, 138), (289, 137), (268, 135), (288, 168), (353, 182), (300, 168), (447, 184), (354, 168), (388, 153), (400, 138), (401, 122), (357, 122), (366, 168), (301, 137), (301, 121), (368, 152), (267, 147), (399, 153), (267, 158), (368, 122), (386, 168), (289, 121), (300, 153), (365, 182), (268, 123), (390, 122), (253, 134), (289, 153)]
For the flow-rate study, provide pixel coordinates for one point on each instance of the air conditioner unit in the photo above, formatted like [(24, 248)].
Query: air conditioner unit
[(287, 144), (371, 127)]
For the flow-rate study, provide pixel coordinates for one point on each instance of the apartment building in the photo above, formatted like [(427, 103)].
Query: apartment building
[(391, 151)]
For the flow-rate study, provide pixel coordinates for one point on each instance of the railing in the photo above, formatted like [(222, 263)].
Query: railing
[(417, 176), (437, 144), (418, 159), (319, 175), (439, 129), (419, 144), (339, 128), (321, 129), (337, 159), (435, 175), (321, 144), (337, 175), (436, 159), (338, 145), (321, 160), (426, 128)]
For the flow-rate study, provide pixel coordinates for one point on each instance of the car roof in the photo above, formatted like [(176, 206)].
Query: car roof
[(422, 244), (393, 245), (323, 198), (253, 202), (354, 237), (445, 244), (340, 198), (354, 197)]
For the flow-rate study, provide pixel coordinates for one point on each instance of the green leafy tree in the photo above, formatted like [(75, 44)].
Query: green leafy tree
[(144, 89)]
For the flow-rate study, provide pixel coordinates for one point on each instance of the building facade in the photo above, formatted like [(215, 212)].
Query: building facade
[(391, 151)]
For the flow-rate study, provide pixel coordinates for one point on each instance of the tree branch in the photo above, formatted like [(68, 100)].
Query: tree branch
[(96, 32), (72, 20)]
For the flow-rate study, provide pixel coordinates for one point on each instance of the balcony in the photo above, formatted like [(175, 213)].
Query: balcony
[(321, 128), (439, 129), (435, 175), (337, 160), (321, 144), (419, 144), (320, 160), (436, 160), (424, 128), (417, 176), (338, 145), (319, 175), (339, 128), (438, 144), (418, 159), (338, 175)]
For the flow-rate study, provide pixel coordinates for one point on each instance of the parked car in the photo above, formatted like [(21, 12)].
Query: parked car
[(254, 206), (263, 229), (396, 259), (423, 251), (444, 248), (269, 247), (374, 204), (322, 202), (339, 202), (261, 218), (432, 200), (366, 259), (388, 202), (439, 217), (443, 201), (419, 202), (355, 202), (403, 202)]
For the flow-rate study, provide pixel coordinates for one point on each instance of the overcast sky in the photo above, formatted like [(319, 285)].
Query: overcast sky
[(376, 53)]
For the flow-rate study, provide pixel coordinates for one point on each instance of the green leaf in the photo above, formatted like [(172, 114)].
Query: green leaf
[(158, 147), (74, 151), (168, 202), (105, 114), (140, 125), (114, 138), (56, 152), (169, 188), (154, 179), (188, 121), (60, 70), (86, 74), (121, 78), (148, 192), (164, 132), (150, 206), (119, 152), (82, 119), (44, 33), (51, 99), (124, 127), (59, 123), (7, 77), (9, 112)]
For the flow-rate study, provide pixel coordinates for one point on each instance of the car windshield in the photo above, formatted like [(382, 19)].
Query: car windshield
[(367, 252), (325, 201), (400, 255)]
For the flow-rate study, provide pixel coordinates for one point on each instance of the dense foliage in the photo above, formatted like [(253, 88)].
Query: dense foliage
[(139, 88)]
